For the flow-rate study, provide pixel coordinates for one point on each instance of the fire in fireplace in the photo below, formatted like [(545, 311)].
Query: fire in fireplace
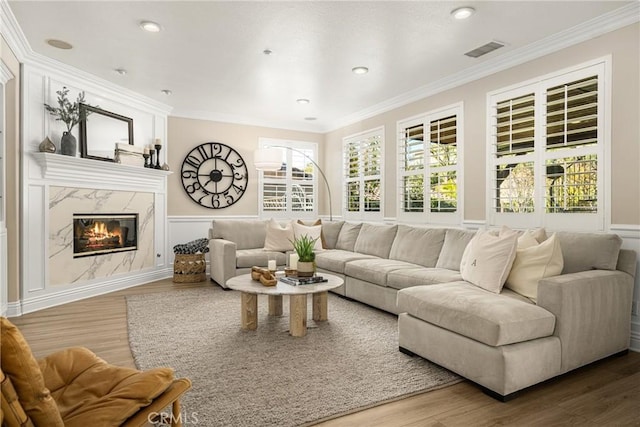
[(98, 234)]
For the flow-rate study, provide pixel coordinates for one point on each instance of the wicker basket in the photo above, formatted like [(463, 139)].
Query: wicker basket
[(189, 268)]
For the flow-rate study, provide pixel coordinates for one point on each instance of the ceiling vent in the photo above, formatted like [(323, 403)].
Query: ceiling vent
[(483, 50)]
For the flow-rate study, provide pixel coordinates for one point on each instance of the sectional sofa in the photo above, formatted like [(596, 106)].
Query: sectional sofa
[(503, 341)]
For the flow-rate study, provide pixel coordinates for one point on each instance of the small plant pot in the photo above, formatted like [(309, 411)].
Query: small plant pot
[(306, 269)]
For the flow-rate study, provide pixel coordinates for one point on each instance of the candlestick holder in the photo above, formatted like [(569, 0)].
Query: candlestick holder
[(158, 147), (151, 153), (146, 160)]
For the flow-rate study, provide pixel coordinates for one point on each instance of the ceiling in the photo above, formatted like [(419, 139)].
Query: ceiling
[(210, 54)]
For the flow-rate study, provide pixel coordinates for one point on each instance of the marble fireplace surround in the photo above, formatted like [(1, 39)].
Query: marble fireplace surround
[(64, 269), (68, 185)]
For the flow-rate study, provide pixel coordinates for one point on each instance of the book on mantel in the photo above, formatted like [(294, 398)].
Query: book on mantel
[(296, 281)]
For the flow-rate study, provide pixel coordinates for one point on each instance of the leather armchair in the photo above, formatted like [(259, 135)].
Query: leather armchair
[(74, 387)]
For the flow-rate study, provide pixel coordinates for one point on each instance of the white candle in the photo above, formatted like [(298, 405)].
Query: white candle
[(146, 150), (158, 141), (271, 265), (293, 261)]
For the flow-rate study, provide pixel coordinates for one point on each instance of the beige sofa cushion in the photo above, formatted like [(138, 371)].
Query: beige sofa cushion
[(488, 258), (330, 232), (336, 259), (405, 278), (374, 270), (589, 251), (375, 239), (246, 258), (246, 234), (417, 245), (465, 309), (455, 242), (348, 236), (534, 261)]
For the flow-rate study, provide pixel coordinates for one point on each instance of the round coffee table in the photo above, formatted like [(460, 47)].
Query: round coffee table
[(250, 289)]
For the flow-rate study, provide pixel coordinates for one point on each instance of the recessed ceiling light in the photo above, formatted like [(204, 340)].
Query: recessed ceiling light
[(121, 71), (150, 26), (267, 51), (166, 92), (60, 44), (360, 70), (302, 101), (311, 118), (462, 12)]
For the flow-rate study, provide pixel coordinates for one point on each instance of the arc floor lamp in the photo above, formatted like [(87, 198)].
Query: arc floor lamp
[(270, 159)]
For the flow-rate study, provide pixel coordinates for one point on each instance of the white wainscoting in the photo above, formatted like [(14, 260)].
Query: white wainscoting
[(631, 240), (4, 294)]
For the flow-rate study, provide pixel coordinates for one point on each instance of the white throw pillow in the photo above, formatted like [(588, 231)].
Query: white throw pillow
[(487, 259), (279, 238), (312, 231), (533, 263)]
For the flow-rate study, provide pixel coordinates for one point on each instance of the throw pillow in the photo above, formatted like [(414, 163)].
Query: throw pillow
[(279, 238), (313, 232), (318, 222), (488, 258), (533, 263), (22, 368), (348, 235)]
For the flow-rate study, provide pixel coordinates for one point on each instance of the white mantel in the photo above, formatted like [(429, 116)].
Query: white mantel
[(89, 173)]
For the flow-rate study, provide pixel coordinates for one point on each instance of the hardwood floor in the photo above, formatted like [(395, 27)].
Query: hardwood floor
[(604, 393)]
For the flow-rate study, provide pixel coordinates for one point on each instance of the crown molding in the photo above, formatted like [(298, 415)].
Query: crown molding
[(5, 73), (12, 32), (614, 20), (18, 43)]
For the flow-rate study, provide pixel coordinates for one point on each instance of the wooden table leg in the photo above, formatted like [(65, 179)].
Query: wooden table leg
[(275, 305), (320, 312), (297, 315), (249, 311)]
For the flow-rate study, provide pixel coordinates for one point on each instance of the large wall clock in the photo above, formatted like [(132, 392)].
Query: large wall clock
[(214, 175)]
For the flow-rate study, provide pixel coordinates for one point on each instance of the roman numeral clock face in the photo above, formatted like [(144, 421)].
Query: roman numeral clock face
[(214, 175)]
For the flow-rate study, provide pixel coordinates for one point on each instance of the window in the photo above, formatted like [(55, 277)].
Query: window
[(290, 191), (363, 175), (547, 151), (429, 166)]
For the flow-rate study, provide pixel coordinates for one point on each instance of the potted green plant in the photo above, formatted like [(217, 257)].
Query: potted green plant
[(70, 114), (304, 246)]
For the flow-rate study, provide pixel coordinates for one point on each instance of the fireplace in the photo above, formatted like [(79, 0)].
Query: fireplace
[(99, 234)]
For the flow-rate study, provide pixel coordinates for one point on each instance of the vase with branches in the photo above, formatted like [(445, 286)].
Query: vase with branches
[(70, 114)]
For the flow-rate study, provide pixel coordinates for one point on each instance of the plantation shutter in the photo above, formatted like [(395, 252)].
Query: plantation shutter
[(363, 174), (411, 153)]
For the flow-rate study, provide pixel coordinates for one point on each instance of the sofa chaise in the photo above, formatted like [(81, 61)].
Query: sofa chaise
[(504, 341)]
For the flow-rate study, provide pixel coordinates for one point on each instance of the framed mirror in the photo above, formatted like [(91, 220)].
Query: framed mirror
[(100, 130)]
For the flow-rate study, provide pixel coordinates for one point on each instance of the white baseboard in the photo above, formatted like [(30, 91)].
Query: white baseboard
[(68, 295), (14, 309)]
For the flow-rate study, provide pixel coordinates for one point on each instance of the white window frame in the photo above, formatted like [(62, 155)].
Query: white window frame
[(425, 119), (361, 214), (288, 181), (598, 221)]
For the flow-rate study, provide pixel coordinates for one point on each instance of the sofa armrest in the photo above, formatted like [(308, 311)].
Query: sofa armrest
[(593, 313), (222, 260)]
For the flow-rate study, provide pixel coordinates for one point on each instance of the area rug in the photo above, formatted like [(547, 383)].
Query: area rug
[(266, 377)]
